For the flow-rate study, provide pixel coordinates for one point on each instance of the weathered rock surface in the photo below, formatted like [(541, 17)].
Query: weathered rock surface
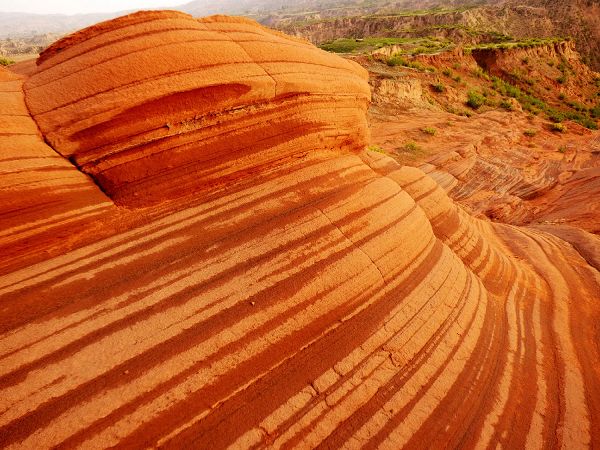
[(147, 98), (336, 300)]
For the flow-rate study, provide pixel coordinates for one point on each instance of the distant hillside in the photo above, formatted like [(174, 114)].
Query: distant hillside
[(27, 25), (313, 19)]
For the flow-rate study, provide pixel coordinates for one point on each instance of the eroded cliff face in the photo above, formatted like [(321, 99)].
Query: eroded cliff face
[(547, 70), (535, 18), (335, 299), (224, 103)]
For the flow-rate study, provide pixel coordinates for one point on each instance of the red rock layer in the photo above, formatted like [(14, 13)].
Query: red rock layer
[(43, 198), (153, 97), (343, 301)]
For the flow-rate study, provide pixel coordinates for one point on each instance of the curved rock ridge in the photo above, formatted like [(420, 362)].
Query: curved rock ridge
[(152, 97), (43, 198)]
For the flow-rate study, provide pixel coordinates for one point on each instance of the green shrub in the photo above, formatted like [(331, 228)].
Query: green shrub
[(429, 130), (447, 72), (457, 78), (438, 87), (396, 60), (475, 100), (506, 104), (530, 133), (556, 116), (5, 61), (562, 79), (559, 127), (587, 122), (411, 147), (562, 96), (562, 149)]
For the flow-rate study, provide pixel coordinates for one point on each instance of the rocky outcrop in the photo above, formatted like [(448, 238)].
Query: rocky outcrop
[(337, 300), (152, 97)]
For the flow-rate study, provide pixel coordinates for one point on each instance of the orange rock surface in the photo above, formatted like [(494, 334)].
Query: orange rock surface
[(147, 98), (307, 293)]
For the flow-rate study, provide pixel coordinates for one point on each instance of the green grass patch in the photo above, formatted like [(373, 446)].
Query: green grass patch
[(399, 60), (376, 148), (429, 130), (351, 45), (475, 100), (524, 43)]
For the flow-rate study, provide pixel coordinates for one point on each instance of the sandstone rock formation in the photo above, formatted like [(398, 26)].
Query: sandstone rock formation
[(155, 107), (307, 294)]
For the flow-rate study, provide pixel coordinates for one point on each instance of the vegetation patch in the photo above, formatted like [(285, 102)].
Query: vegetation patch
[(411, 147), (409, 46), (399, 60), (579, 113), (525, 43), (429, 130), (475, 100), (351, 45), (376, 148), (5, 61), (438, 87), (506, 104)]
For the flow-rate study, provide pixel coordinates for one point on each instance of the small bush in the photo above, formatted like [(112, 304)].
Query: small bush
[(475, 99), (530, 133), (562, 79), (411, 147), (562, 96), (562, 149), (5, 61), (506, 104), (558, 127), (556, 116), (429, 130), (457, 78), (396, 60), (590, 124), (438, 87), (447, 72)]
